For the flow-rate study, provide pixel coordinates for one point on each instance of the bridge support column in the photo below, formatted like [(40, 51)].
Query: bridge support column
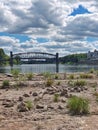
[(11, 59), (57, 62)]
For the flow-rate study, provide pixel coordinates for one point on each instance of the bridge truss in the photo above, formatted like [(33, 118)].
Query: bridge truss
[(35, 56)]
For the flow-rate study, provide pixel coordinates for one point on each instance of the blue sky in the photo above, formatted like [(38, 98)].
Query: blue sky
[(49, 26)]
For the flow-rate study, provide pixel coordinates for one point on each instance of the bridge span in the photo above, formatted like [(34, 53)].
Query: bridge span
[(35, 56)]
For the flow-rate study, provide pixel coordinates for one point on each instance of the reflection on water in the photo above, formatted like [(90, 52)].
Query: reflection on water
[(40, 68)]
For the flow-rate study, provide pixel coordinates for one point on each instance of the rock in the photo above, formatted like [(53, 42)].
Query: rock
[(22, 107), (2, 118), (35, 94), (30, 92), (20, 98), (8, 103), (60, 107), (9, 75), (39, 106), (26, 95), (63, 93)]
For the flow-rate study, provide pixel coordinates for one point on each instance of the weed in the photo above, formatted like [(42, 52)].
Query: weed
[(58, 83), (47, 75), (79, 83), (56, 97), (49, 82), (86, 76), (15, 73), (56, 76), (71, 76), (91, 70), (30, 76), (5, 84), (29, 104), (78, 105)]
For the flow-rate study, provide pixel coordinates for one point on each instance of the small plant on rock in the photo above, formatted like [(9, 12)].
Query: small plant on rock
[(78, 105)]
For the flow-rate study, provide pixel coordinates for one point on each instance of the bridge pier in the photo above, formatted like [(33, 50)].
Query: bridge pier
[(11, 58), (57, 62)]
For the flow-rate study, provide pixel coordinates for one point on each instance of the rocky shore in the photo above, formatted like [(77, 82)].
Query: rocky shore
[(40, 102)]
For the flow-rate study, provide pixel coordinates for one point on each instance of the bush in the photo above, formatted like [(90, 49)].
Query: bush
[(78, 105), (92, 70), (56, 76), (49, 82), (5, 84)]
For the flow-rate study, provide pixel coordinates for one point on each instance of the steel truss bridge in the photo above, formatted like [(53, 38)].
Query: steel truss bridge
[(35, 56)]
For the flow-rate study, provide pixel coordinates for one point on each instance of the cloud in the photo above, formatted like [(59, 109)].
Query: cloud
[(49, 19)]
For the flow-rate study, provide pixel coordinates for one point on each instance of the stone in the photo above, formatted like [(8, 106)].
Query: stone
[(20, 98), (26, 95), (39, 106), (22, 107), (8, 103), (35, 94)]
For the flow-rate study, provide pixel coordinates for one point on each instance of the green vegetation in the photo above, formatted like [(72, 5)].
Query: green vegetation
[(47, 75), (56, 76), (5, 84), (49, 82), (3, 56), (74, 58), (92, 70), (78, 105), (15, 73), (79, 83), (30, 76), (29, 104), (56, 97), (71, 76), (86, 76)]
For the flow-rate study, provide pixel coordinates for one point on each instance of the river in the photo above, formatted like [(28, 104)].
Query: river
[(40, 68)]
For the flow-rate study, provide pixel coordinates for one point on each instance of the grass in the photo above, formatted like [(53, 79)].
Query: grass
[(71, 76), (78, 105), (91, 70), (56, 97), (15, 73), (29, 104), (49, 82), (79, 83), (30, 76), (86, 76), (5, 84), (47, 75)]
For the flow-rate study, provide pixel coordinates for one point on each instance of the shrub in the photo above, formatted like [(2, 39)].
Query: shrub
[(58, 83), (29, 104), (5, 84), (78, 105), (30, 76), (49, 82), (56, 97)]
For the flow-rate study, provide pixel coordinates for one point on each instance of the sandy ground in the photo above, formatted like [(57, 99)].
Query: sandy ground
[(45, 113)]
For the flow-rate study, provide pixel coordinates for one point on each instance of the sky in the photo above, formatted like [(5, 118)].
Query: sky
[(63, 26)]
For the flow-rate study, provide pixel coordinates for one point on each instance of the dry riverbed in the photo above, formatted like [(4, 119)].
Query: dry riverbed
[(31, 104)]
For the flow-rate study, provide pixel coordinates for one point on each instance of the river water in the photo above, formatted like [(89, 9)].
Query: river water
[(40, 68)]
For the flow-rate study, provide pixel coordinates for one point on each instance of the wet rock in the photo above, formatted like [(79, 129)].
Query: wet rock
[(22, 107)]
